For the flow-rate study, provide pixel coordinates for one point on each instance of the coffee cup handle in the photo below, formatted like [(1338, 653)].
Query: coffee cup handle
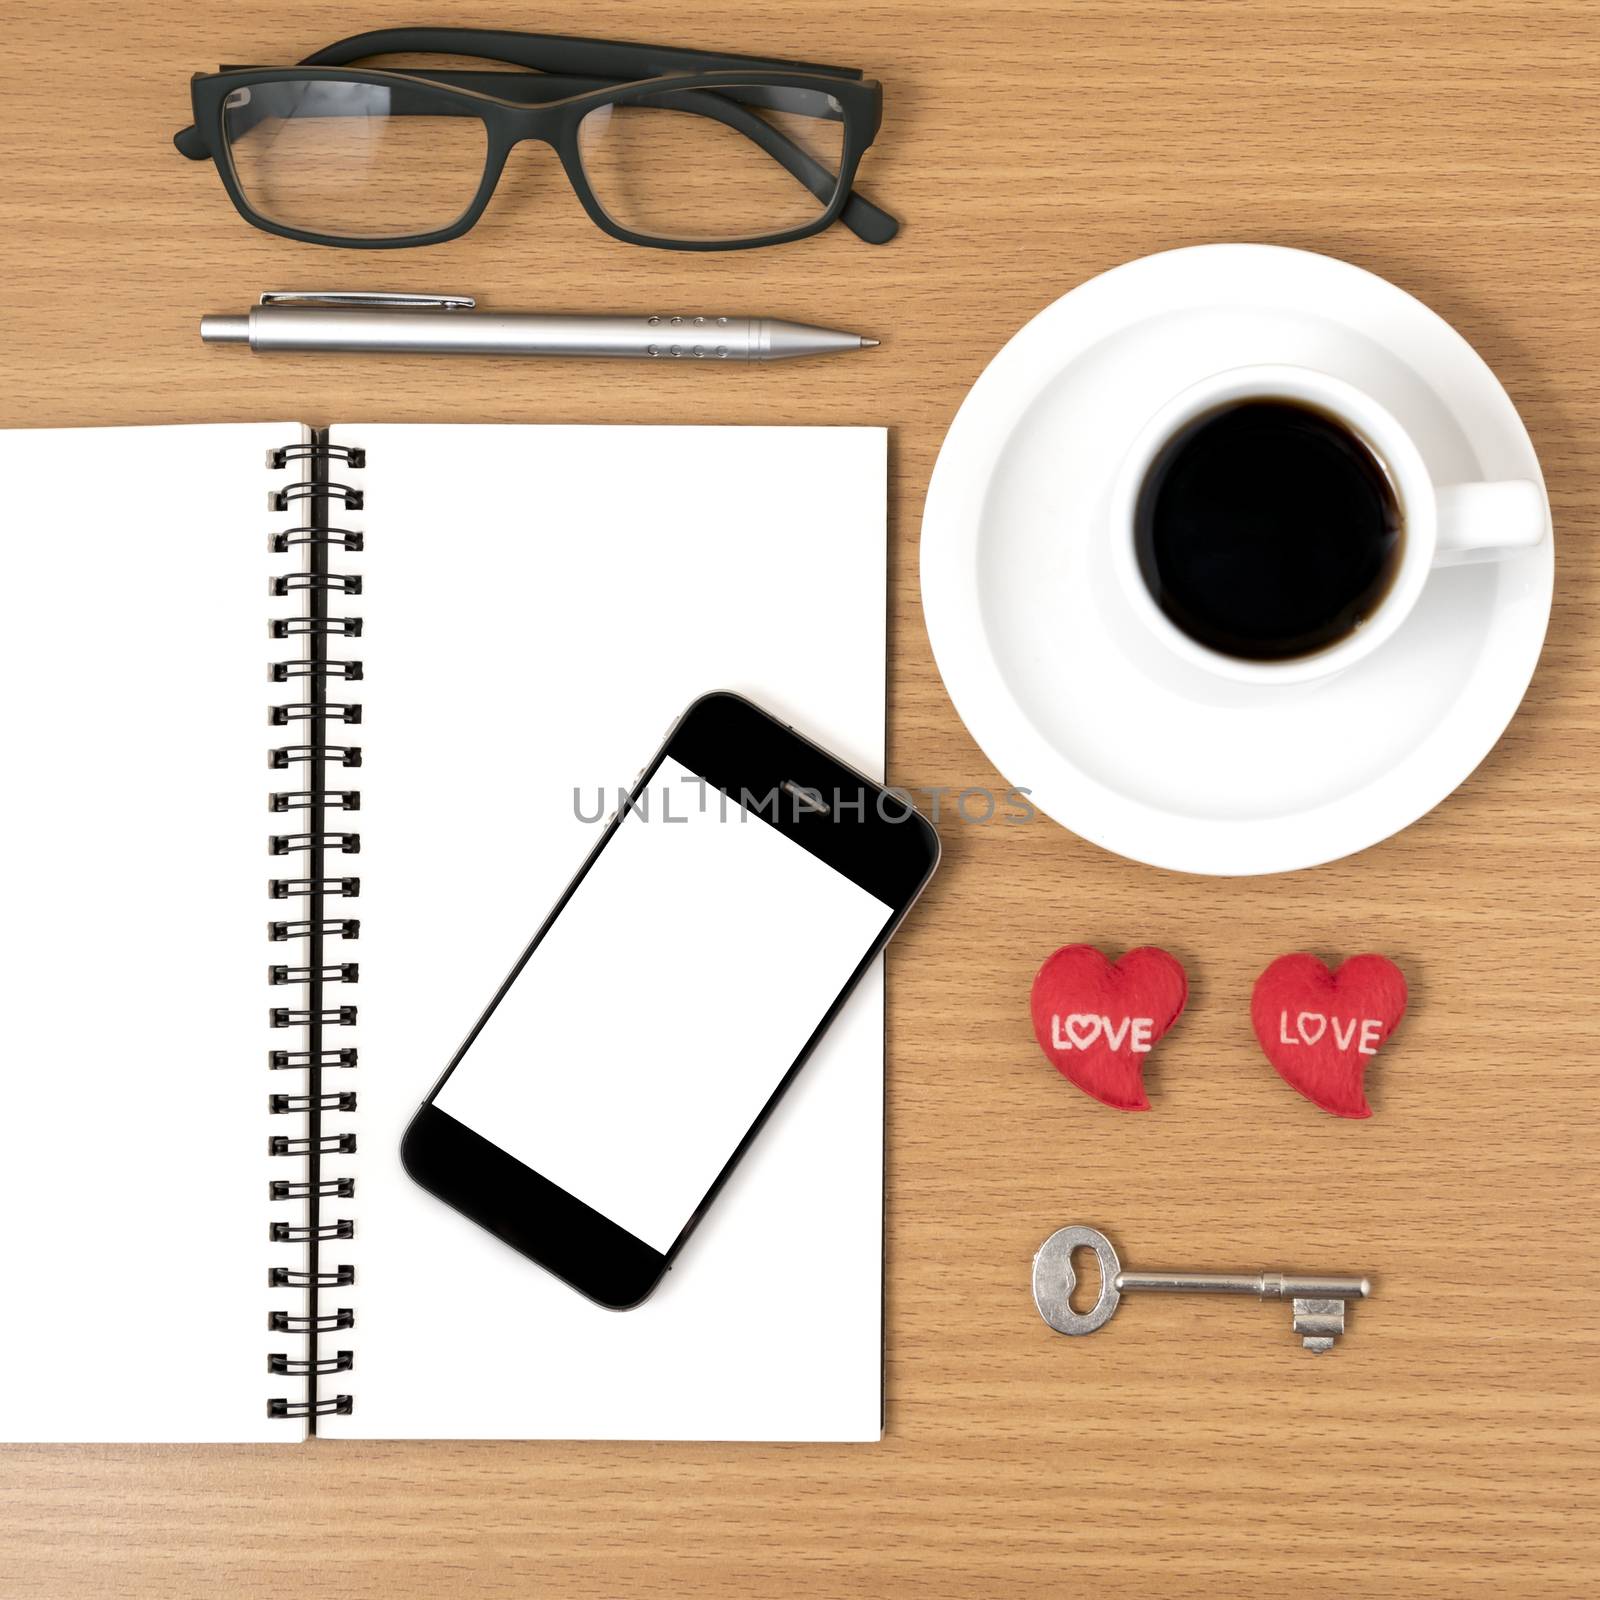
[(1485, 521)]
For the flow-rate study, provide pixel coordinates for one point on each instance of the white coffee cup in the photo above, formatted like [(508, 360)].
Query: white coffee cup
[(1444, 524)]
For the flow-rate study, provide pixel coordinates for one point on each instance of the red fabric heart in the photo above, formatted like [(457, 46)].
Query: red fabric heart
[(1097, 1021), (1321, 1028)]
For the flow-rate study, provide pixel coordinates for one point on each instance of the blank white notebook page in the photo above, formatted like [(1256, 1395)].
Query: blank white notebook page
[(540, 604), (133, 1173)]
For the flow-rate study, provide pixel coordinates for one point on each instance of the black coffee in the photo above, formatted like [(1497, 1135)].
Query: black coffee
[(1266, 529)]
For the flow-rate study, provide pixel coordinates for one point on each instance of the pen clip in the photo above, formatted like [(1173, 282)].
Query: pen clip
[(354, 297)]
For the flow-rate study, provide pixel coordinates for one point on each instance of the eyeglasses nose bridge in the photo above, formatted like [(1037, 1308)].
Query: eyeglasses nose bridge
[(535, 124), (527, 125)]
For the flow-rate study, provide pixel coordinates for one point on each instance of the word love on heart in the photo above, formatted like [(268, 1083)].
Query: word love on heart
[(1096, 1021), (1320, 1028), (1078, 1032), (1311, 1025)]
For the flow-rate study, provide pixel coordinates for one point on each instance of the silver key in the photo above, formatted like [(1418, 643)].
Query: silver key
[(1318, 1302)]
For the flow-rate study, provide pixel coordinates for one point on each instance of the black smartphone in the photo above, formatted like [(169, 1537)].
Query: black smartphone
[(669, 999)]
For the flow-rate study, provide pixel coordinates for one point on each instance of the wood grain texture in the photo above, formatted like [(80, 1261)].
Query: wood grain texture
[(1449, 1448)]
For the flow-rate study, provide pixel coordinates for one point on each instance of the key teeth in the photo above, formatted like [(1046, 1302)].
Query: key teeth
[(1319, 1322)]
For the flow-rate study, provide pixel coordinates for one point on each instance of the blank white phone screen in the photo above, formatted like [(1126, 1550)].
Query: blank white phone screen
[(664, 1005)]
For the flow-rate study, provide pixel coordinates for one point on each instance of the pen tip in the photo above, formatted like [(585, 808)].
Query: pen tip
[(869, 344)]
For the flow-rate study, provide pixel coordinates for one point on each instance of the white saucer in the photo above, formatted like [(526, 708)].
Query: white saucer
[(1059, 689)]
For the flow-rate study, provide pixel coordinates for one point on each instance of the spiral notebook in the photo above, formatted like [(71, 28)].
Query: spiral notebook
[(308, 730)]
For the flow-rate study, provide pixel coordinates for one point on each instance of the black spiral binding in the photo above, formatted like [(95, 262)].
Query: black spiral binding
[(316, 841)]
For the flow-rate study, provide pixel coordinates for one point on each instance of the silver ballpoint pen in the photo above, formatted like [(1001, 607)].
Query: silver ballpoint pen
[(451, 325)]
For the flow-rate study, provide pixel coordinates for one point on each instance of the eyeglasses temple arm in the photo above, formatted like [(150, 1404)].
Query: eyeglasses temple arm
[(554, 52)]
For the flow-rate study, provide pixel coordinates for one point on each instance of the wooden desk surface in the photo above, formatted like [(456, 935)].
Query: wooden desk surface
[(1449, 1447)]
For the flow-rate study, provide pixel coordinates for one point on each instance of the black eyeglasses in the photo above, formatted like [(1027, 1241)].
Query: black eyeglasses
[(673, 148)]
